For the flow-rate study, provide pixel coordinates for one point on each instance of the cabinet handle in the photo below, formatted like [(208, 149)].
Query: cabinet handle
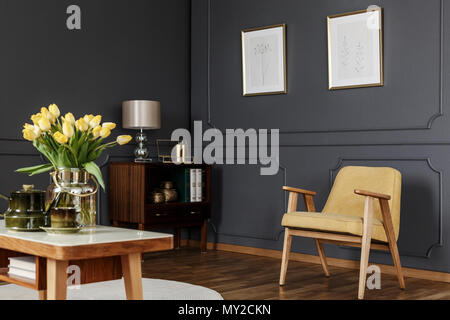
[(195, 212), (161, 214)]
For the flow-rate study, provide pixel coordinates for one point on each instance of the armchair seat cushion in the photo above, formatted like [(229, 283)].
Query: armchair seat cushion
[(332, 222)]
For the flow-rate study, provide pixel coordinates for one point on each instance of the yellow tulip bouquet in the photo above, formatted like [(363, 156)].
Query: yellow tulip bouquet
[(69, 143)]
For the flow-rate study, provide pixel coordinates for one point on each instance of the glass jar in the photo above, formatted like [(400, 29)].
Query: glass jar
[(73, 188)]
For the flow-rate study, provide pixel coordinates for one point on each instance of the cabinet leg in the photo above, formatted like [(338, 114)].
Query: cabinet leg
[(177, 238), (204, 233), (141, 226)]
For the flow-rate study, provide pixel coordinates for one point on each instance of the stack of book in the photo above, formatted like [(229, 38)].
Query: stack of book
[(194, 189), (24, 267)]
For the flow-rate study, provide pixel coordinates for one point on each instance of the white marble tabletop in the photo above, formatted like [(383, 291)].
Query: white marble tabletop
[(100, 234)]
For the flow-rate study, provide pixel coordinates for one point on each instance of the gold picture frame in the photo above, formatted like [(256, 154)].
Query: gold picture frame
[(379, 23), (246, 89)]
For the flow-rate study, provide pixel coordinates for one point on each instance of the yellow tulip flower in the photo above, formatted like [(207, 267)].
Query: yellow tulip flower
[(105, 132), (109, 125), (67, 129), (96, 131), (37, 130), (28, 126), (60, 138), (81, 125), (44, 124), (36, 117), (48, 115), (95, 121), (88, 118), (29, 134), (69, 118), (54, 110), (123, 139)]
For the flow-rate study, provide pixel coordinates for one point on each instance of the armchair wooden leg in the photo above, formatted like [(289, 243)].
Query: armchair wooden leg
[(323, 258), (365, 245), (390, 235), (285, 257), (397, 264)]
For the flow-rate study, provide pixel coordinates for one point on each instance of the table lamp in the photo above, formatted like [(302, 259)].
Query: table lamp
[(141, 115)]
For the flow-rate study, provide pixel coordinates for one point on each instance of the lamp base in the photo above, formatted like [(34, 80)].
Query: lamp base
[(141, 152)]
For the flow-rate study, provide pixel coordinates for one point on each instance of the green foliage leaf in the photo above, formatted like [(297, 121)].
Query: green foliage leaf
[(93, 169), (36, 169), (82, 155), (42, 170)]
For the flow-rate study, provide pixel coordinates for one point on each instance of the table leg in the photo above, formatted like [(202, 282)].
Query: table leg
[(56, 279), (132, 275), (42, 294)]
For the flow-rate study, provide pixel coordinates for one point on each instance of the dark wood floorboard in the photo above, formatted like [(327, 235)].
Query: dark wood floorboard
[(241, 276)]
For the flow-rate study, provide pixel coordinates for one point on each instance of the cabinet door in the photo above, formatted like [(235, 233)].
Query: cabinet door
[(127, 192)]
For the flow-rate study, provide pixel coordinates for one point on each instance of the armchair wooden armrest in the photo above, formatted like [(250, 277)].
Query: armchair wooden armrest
[(293, 197), (297, 190), (372, 194)]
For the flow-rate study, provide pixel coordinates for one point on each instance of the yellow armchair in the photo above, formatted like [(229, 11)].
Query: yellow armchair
[(350, 217)]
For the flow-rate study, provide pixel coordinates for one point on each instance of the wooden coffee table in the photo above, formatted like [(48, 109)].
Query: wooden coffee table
[(106, 253)]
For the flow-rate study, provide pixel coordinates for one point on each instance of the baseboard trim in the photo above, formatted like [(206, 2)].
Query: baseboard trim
[(337, 262)]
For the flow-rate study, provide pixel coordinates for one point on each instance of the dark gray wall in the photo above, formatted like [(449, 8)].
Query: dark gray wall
[(403, 124), (126, 49)]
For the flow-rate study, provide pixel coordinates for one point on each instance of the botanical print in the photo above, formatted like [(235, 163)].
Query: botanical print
[(354, 51), (263, 65)]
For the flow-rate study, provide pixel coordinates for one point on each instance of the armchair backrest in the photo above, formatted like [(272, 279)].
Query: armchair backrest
[(343, 200)]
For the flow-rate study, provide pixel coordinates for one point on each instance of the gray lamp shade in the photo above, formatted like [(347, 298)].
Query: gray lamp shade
[(141, 114)]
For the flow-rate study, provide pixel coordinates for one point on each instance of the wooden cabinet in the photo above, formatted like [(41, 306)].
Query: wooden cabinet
[(130, 198)]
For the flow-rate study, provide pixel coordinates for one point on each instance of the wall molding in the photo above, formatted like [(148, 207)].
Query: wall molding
[(439, 242), (426, 126)]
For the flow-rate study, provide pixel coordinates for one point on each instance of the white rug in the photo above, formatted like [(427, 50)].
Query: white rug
[(154, 289)]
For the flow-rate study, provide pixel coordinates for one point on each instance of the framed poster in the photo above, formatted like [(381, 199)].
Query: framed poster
[(355, 49), (264, 60)]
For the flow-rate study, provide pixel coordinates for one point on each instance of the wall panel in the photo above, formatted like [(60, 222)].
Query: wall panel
[(402, 124)]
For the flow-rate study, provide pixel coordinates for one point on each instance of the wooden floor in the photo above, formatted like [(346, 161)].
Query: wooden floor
[(241, 276)]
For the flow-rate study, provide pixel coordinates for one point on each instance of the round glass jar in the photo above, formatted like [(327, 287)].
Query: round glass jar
[(74, 188)]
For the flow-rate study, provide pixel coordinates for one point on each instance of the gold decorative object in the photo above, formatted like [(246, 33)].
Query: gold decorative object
[(165, 147), (158, 197), (167, 184), (170, 195)]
